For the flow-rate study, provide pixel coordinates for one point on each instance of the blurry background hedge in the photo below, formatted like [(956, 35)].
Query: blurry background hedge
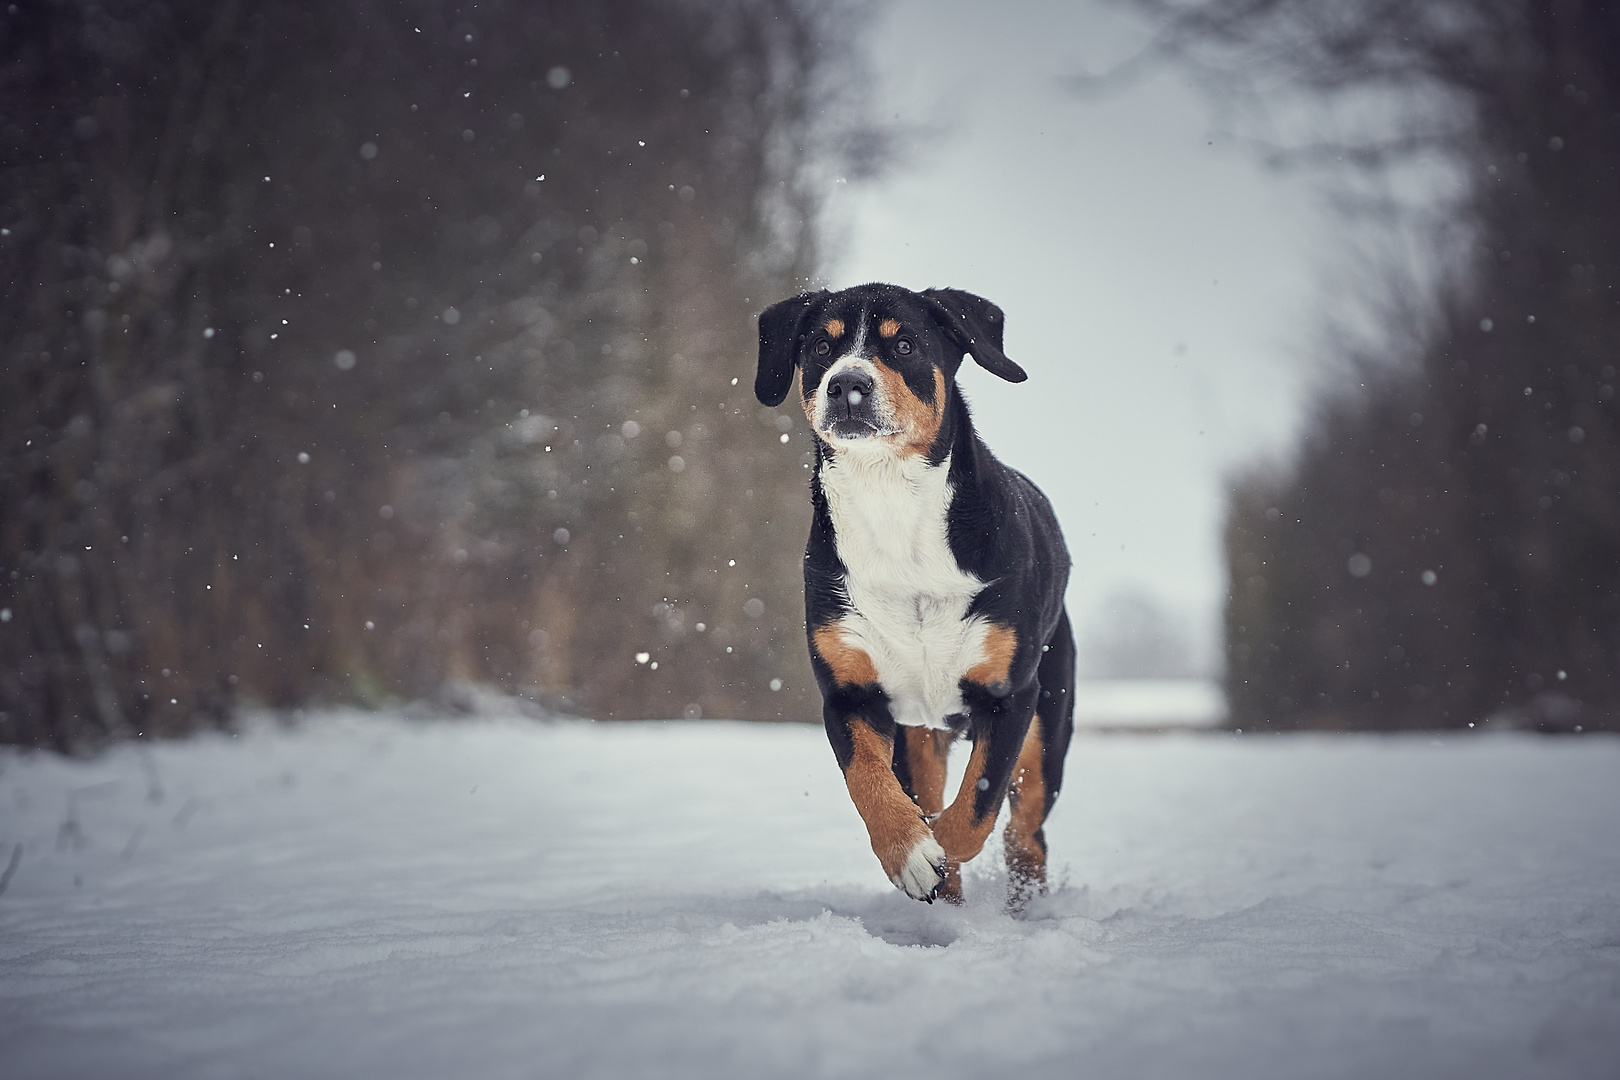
[(356, 349)]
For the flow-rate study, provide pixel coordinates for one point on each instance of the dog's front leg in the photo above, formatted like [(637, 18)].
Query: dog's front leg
[(907, 850), (999, 727)]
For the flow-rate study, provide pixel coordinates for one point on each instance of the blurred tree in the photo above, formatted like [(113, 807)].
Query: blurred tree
[(354, 349), (1446, 544)]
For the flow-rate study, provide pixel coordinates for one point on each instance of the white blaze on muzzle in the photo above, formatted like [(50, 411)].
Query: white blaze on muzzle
[(853, 360)]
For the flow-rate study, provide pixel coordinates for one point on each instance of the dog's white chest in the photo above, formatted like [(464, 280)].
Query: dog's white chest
[(909, 599)]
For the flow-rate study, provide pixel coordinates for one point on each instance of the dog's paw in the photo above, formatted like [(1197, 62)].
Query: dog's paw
[(922, 870)]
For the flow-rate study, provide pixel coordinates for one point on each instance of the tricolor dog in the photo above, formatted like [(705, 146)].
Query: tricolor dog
[(933, 581)]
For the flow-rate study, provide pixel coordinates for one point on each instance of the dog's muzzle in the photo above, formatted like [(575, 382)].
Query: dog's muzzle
[(850, 406)]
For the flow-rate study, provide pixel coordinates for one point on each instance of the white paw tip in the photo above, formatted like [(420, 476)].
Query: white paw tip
[(920, 876)]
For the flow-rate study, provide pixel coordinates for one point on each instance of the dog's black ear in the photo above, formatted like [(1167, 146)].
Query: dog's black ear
[(779, 328), (975, 324)]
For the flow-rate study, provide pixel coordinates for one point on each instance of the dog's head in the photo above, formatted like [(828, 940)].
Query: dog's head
[(877, 362)]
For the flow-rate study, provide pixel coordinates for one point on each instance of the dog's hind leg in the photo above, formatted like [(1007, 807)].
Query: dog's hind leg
[(920, 757), (1039, 772)]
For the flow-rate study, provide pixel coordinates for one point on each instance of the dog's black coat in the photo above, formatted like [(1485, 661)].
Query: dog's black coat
[(999, 527)]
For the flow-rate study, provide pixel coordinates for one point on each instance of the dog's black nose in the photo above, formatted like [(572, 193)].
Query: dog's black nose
[(849, 386)]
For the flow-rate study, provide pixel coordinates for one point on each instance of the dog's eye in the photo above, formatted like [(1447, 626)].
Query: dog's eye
[(823, 347), (903, 346)]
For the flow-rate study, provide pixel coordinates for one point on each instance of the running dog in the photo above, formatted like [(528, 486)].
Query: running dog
[(933, 581)]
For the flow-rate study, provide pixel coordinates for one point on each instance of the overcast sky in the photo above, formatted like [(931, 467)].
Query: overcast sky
[(1161, 287)]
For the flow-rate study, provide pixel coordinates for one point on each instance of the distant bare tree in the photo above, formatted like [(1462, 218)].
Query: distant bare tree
[(1446, 544)]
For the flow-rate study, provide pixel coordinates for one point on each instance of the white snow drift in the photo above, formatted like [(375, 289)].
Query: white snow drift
[(366, 897)]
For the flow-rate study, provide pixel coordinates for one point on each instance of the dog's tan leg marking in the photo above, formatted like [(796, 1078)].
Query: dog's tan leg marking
[(950, 886), (994, 671), (851, 665), (926, 754), (917, 420), (1026, 858), (956, 829), (900, 837)]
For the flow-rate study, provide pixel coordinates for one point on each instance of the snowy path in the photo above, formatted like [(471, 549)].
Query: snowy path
[(374, 898)]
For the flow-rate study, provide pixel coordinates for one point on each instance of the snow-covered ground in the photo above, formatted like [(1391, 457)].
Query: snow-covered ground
[(371, 897)]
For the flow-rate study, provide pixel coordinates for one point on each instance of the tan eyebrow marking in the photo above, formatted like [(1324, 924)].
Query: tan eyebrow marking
[(888, 328), (835, 327)]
